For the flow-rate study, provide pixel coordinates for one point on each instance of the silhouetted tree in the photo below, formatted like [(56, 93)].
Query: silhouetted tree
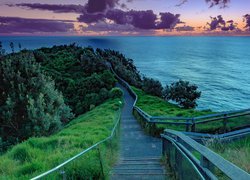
[(182, 92)]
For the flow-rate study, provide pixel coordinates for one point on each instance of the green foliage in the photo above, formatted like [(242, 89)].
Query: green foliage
[(123, 66), (29, 103), (152, 86), (37, 155), (115, 93), (79, 73), (183, 93)]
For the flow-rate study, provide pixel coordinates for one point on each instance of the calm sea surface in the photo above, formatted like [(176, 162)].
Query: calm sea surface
[(220, 66)]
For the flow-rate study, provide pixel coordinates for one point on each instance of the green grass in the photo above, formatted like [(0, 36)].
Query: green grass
[(156, 106), (237, 152), (37, 155)]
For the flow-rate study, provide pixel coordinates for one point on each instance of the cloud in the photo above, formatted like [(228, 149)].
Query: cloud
[(139, 19), (219, 23), (12, 25), (168, 20), (96, 11), (56, 8), (221, 3), (247, 20), (104, 26), (185, 28), (97, 6)]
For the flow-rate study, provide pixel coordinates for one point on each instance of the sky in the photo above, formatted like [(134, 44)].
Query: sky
[(125, 17)]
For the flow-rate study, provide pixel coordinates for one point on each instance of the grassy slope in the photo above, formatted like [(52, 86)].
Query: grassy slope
[(238, 152), (37, 155), (156, 106)]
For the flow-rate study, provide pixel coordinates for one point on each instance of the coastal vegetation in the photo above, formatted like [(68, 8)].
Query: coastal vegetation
[(37, 155), (156, 106), (236, 152)]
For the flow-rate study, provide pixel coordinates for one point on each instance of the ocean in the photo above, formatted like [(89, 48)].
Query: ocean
[(220, 66)]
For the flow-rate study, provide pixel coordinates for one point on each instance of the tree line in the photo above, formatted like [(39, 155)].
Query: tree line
[(42, 90)]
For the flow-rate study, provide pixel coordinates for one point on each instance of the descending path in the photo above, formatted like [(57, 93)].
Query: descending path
[(139, 156)]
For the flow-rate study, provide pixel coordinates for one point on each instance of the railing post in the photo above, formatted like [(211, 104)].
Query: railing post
[(101, 163), (187, 125), (225, 123), (207, 164), (63, 174), (193, 125)]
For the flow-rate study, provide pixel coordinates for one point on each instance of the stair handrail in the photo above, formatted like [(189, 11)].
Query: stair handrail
[(118, 118), (208, 157)]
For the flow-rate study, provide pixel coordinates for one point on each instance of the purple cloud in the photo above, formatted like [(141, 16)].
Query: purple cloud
[(221, 3), (24, 25), (219, 23), (139, 19), (56, 8), (168, 20), (97, 6), (247, 20)]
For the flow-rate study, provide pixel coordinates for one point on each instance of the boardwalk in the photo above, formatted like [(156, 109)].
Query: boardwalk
[(139, 156)]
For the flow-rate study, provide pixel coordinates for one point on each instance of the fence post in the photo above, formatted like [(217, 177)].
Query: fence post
[(207, 164), (187, 125), (225, 123), (63, 174), (193, 125), (101, 163)]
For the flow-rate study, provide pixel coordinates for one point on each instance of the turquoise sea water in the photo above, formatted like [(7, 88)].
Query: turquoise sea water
[(220, 66)]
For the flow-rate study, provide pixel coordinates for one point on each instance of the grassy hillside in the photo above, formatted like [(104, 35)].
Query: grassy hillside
[(37, 155), (156, 106), (238, 152)]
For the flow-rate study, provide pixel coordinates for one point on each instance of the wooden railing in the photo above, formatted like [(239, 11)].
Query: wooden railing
[(189, 122), (197, 161)]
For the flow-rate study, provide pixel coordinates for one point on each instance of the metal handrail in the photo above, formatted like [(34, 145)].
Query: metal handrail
[(81, 153), (208, 157)]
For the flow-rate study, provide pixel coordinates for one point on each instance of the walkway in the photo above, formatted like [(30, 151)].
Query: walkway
[(139, 153)]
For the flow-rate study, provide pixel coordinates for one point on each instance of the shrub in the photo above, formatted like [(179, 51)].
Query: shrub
[(115, 93), (182, 92), (29, 103), (152, 86)]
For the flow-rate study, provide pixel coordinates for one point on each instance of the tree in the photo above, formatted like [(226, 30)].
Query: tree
[(29, 103), (183, 93), (152, 86)]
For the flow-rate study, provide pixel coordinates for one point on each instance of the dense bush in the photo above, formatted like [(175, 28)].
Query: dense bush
[(183, 93), (79, 73), (152, 86), (115, 93), (29, 103)]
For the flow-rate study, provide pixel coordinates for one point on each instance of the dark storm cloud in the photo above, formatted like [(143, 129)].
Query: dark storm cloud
[(56, 8), (247, 20), (219, 23), (23, 25)]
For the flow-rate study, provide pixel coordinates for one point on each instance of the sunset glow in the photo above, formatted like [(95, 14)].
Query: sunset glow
[(124, 17)]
